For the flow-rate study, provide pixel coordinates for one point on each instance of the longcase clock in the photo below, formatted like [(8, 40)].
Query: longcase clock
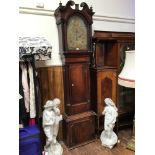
[(75, 41)]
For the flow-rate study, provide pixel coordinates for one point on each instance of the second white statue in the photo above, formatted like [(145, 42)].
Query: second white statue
[(108, 137), (51, 119)]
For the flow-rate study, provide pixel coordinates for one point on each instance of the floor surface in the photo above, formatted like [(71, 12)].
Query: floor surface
[(95, 147)]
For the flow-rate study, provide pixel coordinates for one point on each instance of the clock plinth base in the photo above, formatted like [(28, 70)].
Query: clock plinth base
[(79, 129)]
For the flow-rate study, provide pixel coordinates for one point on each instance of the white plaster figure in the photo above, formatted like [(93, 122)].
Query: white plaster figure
[(20, 96), (51, 119), (108, 137)]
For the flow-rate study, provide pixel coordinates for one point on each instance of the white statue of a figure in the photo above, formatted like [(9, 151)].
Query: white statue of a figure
[(108, 137), (51, 119)]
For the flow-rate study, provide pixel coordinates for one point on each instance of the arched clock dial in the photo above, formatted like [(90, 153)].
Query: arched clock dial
[(76, 34)]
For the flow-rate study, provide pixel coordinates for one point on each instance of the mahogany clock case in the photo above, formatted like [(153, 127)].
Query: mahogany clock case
[(75, 43)]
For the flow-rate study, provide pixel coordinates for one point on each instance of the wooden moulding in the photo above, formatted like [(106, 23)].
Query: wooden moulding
[(51, 86), (51, 83)]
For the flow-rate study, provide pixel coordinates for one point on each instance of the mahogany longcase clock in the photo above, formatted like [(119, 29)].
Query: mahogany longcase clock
[(75, 41)]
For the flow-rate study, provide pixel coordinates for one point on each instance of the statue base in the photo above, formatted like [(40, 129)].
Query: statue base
[(54, 149), (108, 141)]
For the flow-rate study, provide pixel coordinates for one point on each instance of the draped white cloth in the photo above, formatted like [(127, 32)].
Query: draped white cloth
[(38, 46), (25, 86), (32, 92)]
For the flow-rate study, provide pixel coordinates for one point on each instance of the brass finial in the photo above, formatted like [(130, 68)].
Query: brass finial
[(60, 4)]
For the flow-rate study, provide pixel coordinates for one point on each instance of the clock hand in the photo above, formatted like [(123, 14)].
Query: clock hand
[(76, 34)]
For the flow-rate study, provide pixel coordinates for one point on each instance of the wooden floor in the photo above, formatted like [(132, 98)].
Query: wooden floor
[(95, 148)]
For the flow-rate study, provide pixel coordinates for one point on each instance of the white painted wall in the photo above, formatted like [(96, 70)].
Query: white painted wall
[(116, 8), (41, 26), (110, 15)]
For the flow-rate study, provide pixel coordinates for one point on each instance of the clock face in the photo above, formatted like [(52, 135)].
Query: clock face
[(76, 34)]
